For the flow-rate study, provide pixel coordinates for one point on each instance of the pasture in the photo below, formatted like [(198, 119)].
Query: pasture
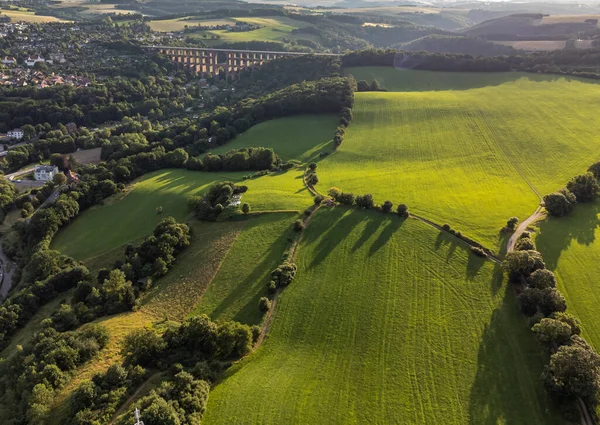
[(571, 248), (132, 215), (299, 137), (470, 157), (242, 278), (387, 321)]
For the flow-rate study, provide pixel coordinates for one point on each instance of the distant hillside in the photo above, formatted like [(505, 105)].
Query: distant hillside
[(530, 27), (457, 44)]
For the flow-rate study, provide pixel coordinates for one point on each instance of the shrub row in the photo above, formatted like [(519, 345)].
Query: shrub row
[(366, 202)]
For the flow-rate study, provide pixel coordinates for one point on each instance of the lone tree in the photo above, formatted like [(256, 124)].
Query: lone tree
[(59, 179), (246, 208), (402, 210), (584, 187), (386, 206), (312, 166), (559, 203), (511, 224)]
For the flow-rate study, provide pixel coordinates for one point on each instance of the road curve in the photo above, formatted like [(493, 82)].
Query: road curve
[(537, 214)]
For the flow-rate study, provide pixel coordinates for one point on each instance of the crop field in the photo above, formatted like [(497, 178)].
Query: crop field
[(387, 321), (179, 24), (300, 137), (242, 278), (571, 248), (29, 17), (469, 157)]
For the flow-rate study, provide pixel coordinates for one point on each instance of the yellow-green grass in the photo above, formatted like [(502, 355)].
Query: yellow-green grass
[(271, 28), (126, 218), (301, 137), (571, 249), (179, 24), (30, 17), (244, 274), (173, 298), (471, 158), (403, 80), (387, 321)]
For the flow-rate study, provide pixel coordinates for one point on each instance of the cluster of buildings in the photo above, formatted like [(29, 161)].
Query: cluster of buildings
[(23, 77)]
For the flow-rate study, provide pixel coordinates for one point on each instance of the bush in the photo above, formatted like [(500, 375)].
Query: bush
[(402, 210), (264, 304), (318, 199), (312, 179), (478, 251), (298, 225), (387, 206), (365, 201), (521, 264), (511, 224), (559, 204), (446, 227), (312, 166), (524, 244), (284, 274), (246, 208)]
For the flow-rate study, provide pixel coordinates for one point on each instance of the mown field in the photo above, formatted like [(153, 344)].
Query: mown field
[(387, 321), (571, 248), (469, 157)]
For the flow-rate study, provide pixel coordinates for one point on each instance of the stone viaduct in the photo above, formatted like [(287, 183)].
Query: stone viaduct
[(229, 61)]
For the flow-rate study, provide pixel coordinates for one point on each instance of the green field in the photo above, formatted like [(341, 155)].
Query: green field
[(242, 278), (387, 322), (300, 137), (271, 28), (471, 158), (29, 17), (571, 248), (132, 216)]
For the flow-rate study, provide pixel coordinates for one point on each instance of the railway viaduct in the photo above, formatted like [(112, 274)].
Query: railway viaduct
[(229, 61)]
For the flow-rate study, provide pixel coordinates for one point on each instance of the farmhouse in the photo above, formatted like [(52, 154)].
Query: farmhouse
[(17, 134), (45, 172)]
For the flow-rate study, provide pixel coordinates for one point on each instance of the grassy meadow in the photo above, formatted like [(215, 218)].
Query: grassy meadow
[(387, 321), (271, 28), (242, 278), (131, 216), (469, 157), (571, 248), (301, 138)]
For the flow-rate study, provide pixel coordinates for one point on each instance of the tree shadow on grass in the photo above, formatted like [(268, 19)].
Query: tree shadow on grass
[(507, 387), (556, 234), (329, 240), (255, 283), (394, 223), (474, 264), (373, 224), (444, 239)]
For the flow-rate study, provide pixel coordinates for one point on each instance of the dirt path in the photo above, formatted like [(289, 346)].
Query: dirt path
[(537, 214), (132, 398)]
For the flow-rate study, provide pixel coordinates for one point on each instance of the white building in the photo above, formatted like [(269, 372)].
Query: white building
[(30, 61), (17, 134), (8, 60), (45, 172)]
